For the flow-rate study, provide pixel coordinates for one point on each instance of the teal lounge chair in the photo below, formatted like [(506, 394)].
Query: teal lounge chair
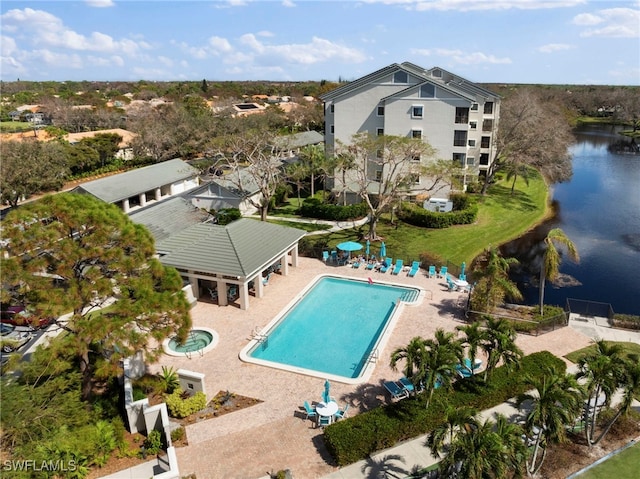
[(443, 271), (432, 271), (388, 263), (325, 256), (415, 266), (398, 267), (407, 384), (395, 390)]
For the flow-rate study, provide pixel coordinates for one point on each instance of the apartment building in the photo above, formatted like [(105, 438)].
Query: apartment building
[(455, 116)]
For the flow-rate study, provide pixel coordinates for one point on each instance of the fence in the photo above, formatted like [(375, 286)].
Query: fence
[(525, 326), (590, 308)]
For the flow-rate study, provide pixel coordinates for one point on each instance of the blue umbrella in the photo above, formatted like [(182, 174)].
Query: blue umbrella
[(326, 395), (462, 268), (383, 250), (349, 246), (367, 249)]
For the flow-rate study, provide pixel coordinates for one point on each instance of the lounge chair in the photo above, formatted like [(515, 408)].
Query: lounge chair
[(325, 256), (342, 413), (415, 266), (443, 271), (432, 271), (463, 371), (309, 410), (398, 267), (407, 384), (334, 257), (388, 263), (395, 390), (371, 265), (355, 264), (450, 284)]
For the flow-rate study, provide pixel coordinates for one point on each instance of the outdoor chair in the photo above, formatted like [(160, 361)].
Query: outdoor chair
[(388, 263), (443, 271), (342, 413), (325, 256), (398, 267), (432, 271), (371, 265), (265, 281), (415, 266), (395, 390), (334, 257), (324, 421), (213, 293), (309, 410), (406, 384)]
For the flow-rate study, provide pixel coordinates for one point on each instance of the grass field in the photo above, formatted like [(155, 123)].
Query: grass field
[(502, 217), (624, 465), (628, 350)]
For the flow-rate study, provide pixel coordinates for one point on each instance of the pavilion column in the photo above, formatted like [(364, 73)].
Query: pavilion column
[(143, 199), (125, 205), (244, 295), (294, 256), (158, 192), (284, 265), (259, 287), (222, 293), (194, 286)]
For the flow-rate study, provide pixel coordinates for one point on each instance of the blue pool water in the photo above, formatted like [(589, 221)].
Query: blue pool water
[(334, 327)]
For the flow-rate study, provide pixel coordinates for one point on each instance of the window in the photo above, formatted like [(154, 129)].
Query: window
[(462, 115), (380, 131), (381, 111), (484, 159), (485, 141), (471, 161), (487, 125), (416, 111), (379, 154), (458, 159), (378, 175), (332, 108), (332, 131), (414, 178), (474, 107), (416, 133), (472, 143), (459, 138), (427, 91), (488, 108), (415, 158), (473, 125), (400, 77)]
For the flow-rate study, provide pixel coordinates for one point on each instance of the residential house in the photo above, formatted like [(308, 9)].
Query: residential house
[(125, 150), (455, 116), (137, 188)]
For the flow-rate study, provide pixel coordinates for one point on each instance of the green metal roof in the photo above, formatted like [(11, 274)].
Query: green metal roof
[(130, 183), (242, 248), (169, 217)]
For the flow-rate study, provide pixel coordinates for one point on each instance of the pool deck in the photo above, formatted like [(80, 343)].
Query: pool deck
[(274, 435)]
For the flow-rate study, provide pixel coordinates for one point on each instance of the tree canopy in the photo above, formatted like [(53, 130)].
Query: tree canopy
[(74, 254)]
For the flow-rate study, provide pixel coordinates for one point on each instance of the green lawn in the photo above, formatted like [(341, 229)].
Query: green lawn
[(623, 465), (12, 126), (502, 217), (628, 349)]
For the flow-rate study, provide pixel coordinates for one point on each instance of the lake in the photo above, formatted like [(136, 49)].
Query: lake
[(599, 210)]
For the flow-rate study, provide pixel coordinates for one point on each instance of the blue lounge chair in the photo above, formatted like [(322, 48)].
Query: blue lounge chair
[(432, 271), (355, 264), (443, 271), (334, 257), (415, 266), (325, 256), (371, 265), (309, 410), (463, 371), (387, 264), (398, 267), (407, 384), (342, 413), (395, 390), (452, 286)]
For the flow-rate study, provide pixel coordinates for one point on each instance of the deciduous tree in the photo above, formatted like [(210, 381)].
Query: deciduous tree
[(73, 253)]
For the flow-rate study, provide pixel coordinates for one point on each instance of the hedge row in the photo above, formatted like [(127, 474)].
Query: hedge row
[(358, 437), (418, 216), (314, 208), (627, 321)]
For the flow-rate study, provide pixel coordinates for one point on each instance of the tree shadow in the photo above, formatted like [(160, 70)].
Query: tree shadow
[(365, 397), (384, 467)]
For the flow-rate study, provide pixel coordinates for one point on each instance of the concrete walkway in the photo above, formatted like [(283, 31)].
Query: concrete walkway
[(413, 455), (335, 225)]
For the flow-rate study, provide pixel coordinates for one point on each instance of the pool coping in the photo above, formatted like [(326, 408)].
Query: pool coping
[(258, 335)]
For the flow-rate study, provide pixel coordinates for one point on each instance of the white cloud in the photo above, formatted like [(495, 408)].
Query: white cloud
[(471, 5), (458, 56), (288, 3), (554, 47), (100, 3), (318, 50), (612, 22), (219, 45)]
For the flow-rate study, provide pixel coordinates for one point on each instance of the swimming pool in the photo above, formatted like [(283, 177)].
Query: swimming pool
[(333, 329)]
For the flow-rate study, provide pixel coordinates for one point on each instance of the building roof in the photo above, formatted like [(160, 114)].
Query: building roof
[(127, 136), (298, 140), (169, 217), (125, 185), (240, 249)]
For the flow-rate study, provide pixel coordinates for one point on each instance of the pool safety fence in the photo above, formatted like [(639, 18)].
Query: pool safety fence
[(590, 309)]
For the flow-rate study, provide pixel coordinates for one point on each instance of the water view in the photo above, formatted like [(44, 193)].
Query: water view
[(599, 209)]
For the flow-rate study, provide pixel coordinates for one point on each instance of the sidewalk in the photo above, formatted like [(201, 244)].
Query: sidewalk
[(335, 225), (412, 455)]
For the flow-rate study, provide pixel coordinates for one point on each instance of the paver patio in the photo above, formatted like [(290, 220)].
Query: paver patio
[(274, 435)]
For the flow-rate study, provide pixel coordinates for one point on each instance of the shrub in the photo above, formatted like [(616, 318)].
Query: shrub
[(227, 215), (314, 208), (153, 442), (627, 321), (181, 407), (177, 434), (169, 379), (418, 216)]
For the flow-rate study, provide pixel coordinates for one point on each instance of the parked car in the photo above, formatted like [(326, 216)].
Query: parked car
[(20, 316), (13, 338)]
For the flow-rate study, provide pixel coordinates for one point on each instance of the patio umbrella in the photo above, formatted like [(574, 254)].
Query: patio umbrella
[(383, 250), (326, 395), (349, 246), (462, 267), (367, 248)]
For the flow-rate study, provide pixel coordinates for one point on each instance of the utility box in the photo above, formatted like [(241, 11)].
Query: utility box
[(439, 205)]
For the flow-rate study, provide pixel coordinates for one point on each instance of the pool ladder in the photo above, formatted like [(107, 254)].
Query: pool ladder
[(373, 356), (200, 352), (258, 335)]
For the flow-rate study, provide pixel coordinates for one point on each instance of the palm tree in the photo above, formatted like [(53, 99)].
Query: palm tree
[(442, 354), (605, 370), (413, 354), (514, 449), (473, 336), (551, 258), (455, 419), (480, 452), (556, 402), (311, 157), (296, 173), (344, 162), (495, 284), (499, 345), (515, 169)]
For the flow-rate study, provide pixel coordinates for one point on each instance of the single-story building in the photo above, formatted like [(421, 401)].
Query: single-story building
[(137, 188), (231, 262), (125, 150)]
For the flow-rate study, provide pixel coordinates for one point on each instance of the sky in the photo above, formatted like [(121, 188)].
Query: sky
[(486, 41)]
